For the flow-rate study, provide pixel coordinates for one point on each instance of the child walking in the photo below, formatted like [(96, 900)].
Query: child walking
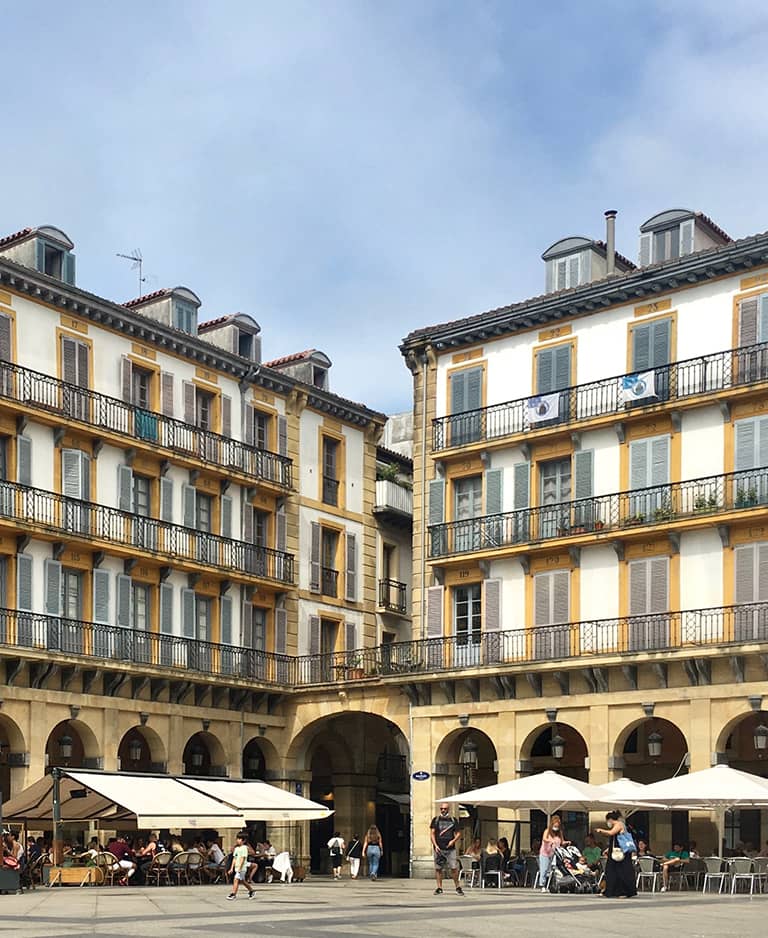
[(239, 867)]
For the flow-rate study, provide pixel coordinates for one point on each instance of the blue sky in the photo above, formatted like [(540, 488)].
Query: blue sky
[(346, 172)]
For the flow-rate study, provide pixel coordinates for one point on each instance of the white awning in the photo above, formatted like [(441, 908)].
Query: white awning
[(258, 801)]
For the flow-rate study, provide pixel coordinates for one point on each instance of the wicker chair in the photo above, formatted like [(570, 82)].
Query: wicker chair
[(158, 868), (107, 863)]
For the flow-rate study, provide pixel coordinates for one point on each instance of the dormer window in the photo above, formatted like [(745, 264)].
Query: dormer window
[(320, 378), (666, 244), (55, 261), (184, 317), (245, 344)]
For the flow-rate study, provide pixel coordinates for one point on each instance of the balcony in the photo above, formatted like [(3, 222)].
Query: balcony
[(743, 368), (53, 636), (392, 596), (686, 504), (329, 580), (33, 509), (34, 391), (393, 502)]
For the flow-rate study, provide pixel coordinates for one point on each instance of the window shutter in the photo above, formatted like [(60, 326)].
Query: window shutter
[(166, 499), (550, 277), (436, 501), (562, 274), (225, 609), (125, 488), (314, 560), (189, 402), (280, 528), (661, 333), (744, 572), (762, 442), (5, 338), (282, 436), (522, 481), (24, 460), (573, 271), (166, 608), (248, 424), (226, 415), (101, 580), (71, 474), (69, 360), (493, 492), (246, 624), (492, 605), (686, 237), (542, 614), (659, 460), (762, 572), (474, 388), (645, 249), (314, 635), (166, 388), (545, 370), (52, 588), (562, 367), (247, 519), (40, 255), (127, 379), (762, 319), (435, 612), (188, 613), (68, 268), (638, 588), (748, 321), (226, 516), (281, 631), (583, 473), (82, 364), (561, 597), (458, 392), (189, 498), (124, 586), (641, 347), (351, 579), (350, 636), (23, 582), (659, 593), (638, 464), (746, 432)]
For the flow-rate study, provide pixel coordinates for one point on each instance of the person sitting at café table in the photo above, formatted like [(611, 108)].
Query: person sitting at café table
[(592, 851), (673, 859), (119, 848)]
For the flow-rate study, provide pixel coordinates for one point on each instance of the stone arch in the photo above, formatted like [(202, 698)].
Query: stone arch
[(153, 756), (13, 748), (536, 753), (11, 736), (204, 754), (469, 754), (631, 750), (85, 750), (300, 749), (735, 742)]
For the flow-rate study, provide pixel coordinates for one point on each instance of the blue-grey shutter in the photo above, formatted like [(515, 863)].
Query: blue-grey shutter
[(545, 371), (542, 611), (246, 624), (189, 402), (226, 620), (493, 491), (166, 499), (492, 605), (282, 436), (101, 580), (83, 370), (762, 319), (661, 341), (550, 277), (68, 268), (686, 237), (561, 597), (436, 501), (314, 559), (573, 270), (248, 424), (435, 612), (126, 372), (458, 382), (166, 388), (641, 347), (659, 592), (247, 513), (522, 482), (226, 516), (40, 255), (281, 630), (583, 472), (638, 464), (646, 242), (68, 360), (189, 498), (744, 572), (280, 528), (562, 367), (24, 460), (124, 588), (638, 588), (71, 473), (6, 328), (52, 570), (351, 578), (746, 433), (166, 608), (188, 613), (226, 415), (24, 582), (474, 387), (125, 488), (350, 636), (748, 321), (314, 635), (659, 460)]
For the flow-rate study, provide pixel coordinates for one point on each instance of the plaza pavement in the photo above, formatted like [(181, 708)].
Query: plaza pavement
[(391, 908)]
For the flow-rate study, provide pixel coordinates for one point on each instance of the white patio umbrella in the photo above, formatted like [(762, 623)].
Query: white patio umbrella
[(548, 791), (626, 792), (718, 789)]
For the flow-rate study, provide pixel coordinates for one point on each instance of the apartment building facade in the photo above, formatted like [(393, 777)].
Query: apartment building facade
[(590, 526)]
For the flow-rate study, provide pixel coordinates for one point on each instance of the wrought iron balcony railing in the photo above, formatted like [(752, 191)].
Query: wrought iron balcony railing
[(87, 521), (660, 504), (616, 395), (43, 393), (51, 634), (392, 596), (329, 581), (330, 491)]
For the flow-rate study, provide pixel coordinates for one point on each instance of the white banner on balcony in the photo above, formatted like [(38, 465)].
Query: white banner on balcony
[(637, 387), (543, 407)]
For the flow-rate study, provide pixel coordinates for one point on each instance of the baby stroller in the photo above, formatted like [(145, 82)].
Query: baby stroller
[(569, 874)]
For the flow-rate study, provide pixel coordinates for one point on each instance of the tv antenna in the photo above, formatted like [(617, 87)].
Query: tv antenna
[(137, 264)]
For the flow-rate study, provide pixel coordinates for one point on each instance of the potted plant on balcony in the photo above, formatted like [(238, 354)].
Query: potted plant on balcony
[(746, 498), (599, 525), (355, 668), (638, 518), (664, 512), (702, 503)]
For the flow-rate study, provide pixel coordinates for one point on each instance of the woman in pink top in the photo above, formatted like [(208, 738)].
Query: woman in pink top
[(551, 838)]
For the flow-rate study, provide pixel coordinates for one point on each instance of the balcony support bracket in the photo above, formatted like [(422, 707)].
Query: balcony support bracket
[(97, 447), (224, 486), (621, 431), (737, 667), (194, 475), (165, 465), (89, 679), (98, 559), (13, 668), (725, 534), (449, 689), (563, 679), (57, 549), (22, 542), (472, 684), (237, 698), (21, 423), (219, 697), (703, 671), (419, 695), (485, 459), (575, 555), (128, 564), (165, 572), (589, 677), (257, 700), (156, 687), (224, 587), (676, 418), (660, 670), (68, 675), (113, 682), (630, 674), (39, 673), (764, 662), (485, 568), (201, 690), (674, 541), (138, 684), (525, 562), (618, 547), (534, 679), (192, 579), (504, 685), (130, 455), (58, 435), (273, 701), (525, 449), (576, 439), (725, 410), (178, 690)]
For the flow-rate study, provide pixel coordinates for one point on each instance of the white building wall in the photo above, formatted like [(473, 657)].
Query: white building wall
[(701, 569), (599, 583), (701, 452)]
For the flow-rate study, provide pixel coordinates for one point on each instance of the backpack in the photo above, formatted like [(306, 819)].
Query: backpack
[(336, 848)]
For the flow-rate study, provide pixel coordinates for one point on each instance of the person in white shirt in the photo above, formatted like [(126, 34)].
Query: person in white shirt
[(336, 847)]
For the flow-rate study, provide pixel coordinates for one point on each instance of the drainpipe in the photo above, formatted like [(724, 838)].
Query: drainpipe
[(610, 241)]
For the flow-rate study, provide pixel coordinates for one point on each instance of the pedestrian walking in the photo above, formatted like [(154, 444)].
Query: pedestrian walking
[(373, 847), (619, 868), (336, 847), (239, 867), (444, 832), (354, 855)]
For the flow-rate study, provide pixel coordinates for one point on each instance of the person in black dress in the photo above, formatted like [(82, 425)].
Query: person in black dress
[(619, 874)]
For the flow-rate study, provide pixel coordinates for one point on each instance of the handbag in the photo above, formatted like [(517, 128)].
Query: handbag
[(617, 854), (626, 842)]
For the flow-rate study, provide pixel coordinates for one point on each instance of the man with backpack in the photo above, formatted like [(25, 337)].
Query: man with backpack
[(444, 833)]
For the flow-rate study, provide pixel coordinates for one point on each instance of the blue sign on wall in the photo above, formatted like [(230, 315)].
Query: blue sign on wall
[(299, 789), (420, 776)]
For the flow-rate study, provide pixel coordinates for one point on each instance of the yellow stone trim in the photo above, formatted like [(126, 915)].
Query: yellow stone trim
[(207, 375), (755, 280), (556, 332), (262, 397), (656, 307), (463, 576), (471, 355), (143, 351), (5, 298), (77, 325)]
